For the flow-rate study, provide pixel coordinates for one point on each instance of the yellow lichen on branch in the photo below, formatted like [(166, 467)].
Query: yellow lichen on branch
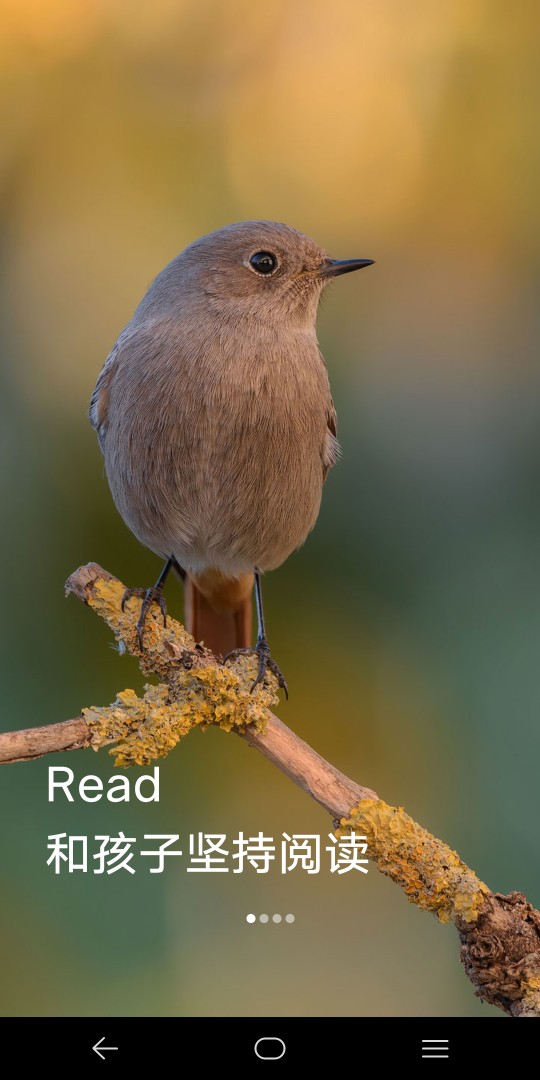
[(146, 728), (431, 875), (196, 691)]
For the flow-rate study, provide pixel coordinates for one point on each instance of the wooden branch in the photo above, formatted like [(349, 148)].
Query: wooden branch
[(31, 743), (500, 935)]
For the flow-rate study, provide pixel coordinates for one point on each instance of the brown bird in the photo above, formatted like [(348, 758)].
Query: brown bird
[(217, 425)]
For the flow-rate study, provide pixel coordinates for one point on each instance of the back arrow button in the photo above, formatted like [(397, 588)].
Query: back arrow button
[(98, 1048)]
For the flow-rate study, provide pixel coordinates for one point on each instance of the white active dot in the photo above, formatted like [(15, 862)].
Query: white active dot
[(289, 918), (263, 918), (276, 918), (251, 918)]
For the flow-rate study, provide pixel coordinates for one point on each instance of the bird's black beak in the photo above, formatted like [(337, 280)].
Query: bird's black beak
[(334, 267)]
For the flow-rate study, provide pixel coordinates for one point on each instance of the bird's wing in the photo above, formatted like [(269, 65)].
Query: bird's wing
[(99, 404), (331, 448)]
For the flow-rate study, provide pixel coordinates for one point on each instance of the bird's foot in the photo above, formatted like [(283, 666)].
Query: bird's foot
[(154, 595), (266, 663)]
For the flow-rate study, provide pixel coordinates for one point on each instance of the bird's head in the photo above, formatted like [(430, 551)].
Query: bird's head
[(258, 270)]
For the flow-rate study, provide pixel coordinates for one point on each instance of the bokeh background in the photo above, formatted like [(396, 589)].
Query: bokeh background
[(409, 625)]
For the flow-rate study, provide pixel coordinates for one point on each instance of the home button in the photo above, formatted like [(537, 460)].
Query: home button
[(270, 1048)]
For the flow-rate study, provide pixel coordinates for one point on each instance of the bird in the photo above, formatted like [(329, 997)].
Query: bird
[(216, 421)]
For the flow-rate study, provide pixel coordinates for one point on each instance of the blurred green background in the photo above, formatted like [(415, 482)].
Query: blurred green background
[(409, 625)]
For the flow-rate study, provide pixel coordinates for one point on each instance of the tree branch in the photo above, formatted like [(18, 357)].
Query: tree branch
[(31, 743), (500, 935)]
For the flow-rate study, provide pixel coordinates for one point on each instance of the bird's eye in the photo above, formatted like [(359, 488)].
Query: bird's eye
[(263, 262)]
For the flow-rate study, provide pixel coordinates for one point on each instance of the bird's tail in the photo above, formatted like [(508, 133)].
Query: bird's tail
[(218, 610)]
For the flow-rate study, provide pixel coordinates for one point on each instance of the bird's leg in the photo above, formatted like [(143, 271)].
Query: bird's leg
[(153, 595), (262, 648)]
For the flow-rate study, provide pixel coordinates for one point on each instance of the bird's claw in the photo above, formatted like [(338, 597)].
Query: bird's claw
[(266, 663), (154, 595)]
